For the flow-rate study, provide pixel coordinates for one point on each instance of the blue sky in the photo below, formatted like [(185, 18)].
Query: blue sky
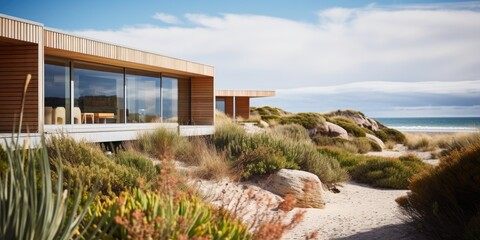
[(385, 58)]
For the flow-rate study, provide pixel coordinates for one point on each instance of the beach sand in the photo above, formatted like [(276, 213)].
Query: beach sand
[(357, 212)]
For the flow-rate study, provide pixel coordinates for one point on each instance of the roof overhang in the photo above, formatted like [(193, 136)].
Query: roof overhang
[(244, 93)]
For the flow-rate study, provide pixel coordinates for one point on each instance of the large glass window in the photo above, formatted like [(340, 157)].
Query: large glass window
[(57, 92), (170, 99), (220, 104), (102, 93), (99, 93), (143, 97)]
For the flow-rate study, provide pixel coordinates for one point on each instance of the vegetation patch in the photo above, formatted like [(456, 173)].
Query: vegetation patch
[(349, 125), (377, 171), (236, 142), (445, 201), (307, 120), (390, 134), (87, 162)]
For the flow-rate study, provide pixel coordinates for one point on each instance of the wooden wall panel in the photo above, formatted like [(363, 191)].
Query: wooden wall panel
[(16, 61), (242, 107), (229, 106), (202, 101), (183, 101)]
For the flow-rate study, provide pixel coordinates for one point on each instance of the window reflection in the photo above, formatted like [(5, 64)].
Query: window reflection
[(143, 97), (57, 92), (170, 99), (99, 93)]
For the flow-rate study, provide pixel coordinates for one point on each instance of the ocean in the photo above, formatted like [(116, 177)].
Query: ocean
[(447, 124)]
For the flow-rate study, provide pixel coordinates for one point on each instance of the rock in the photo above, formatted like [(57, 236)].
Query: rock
[(304, 186), (332, 130), (377, 140), (359, 118), (263, 124)]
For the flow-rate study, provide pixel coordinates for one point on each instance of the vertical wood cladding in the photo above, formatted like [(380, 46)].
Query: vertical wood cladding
[(16, 61), (183, 101), (229, 106), (202, 101), (14, 29), (242, 107)]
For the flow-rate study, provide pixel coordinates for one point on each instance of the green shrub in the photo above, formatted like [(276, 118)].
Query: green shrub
[(137, 161), (35, 206), (262, 161), (161, 142), (350, 126), (389, 173), (148, 215), (235, 141), (445, 201), (363, 144), (87, 162), (328, 141), (390, 134), (377, 171), (307, 120)]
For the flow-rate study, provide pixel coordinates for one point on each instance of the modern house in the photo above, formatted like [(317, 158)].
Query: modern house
[(236, 103), (95, 90)]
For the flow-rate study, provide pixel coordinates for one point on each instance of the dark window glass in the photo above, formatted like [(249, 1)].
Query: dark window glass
[(57, 92), (99, 93), (220, 104)]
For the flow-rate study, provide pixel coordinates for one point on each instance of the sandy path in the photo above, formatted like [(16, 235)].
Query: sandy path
[(357, 212)]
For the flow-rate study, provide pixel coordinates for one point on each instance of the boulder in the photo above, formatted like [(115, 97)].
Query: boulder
[(359, 118), (304, 186), (377, 140), (331, 130)]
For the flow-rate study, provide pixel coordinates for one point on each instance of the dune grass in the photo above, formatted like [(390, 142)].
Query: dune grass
[(302, 154)]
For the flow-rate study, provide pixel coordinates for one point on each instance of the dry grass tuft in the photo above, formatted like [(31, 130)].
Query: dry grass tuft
[(211, 163)]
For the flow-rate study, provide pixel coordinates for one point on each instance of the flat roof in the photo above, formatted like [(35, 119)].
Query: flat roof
[(244, 93), (69, 45)]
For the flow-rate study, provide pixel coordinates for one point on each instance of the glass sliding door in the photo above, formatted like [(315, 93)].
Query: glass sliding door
[(57, 92), (220, 104), (143, 97), (99, 93), (169, 99)]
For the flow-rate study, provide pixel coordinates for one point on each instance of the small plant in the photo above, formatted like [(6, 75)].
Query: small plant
[(138, 161), (149, 215)]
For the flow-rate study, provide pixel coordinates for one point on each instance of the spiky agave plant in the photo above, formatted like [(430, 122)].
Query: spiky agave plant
[(32, 205)]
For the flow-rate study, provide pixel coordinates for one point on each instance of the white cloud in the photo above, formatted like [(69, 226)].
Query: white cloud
[(166, 18), (463, 88), (434, 47)]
